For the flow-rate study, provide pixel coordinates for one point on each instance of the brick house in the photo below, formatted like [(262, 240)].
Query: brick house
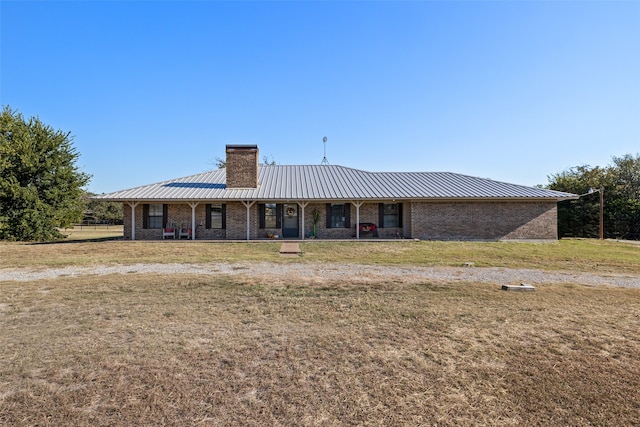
[(247, 201)]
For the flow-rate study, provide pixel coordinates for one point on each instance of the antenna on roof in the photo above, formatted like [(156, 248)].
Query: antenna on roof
[(324, 159)]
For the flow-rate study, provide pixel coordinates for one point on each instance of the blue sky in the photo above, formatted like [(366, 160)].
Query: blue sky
[(513, 91)]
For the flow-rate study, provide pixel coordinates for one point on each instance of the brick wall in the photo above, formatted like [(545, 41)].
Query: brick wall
[(423, 220), (237, 221), (242, 166), (179, 215), (368, 213), (407, 220), (126, 220), (484, 220), (141, 234)]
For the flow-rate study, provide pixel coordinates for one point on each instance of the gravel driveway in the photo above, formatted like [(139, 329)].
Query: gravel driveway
[(324, 272)]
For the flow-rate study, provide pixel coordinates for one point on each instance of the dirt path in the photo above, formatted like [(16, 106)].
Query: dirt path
[(323, 272)]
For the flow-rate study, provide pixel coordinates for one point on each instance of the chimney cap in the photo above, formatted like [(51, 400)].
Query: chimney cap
[(241, 147)]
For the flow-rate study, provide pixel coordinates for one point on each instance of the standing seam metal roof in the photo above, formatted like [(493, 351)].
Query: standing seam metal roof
[(332, 183)]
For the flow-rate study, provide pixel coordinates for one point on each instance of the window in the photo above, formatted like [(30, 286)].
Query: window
[(155, 216), (216, 216), (338, 215), (390, 215), (270, 215)]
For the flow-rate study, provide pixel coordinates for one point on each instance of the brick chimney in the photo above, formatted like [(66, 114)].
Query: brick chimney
[(242, 166)]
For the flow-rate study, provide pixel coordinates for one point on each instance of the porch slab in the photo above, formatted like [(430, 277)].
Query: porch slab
[(290, 248)]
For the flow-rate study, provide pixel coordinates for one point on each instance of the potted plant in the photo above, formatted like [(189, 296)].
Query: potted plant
[(316, 219)]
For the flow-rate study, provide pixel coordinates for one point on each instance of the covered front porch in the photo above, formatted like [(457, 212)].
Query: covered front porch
[(259, 219)]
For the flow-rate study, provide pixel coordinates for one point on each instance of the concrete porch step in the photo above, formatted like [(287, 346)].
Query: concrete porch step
[(290, 248)]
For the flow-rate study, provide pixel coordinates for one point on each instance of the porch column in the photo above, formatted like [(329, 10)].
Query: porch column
[(248, 204), (302, 206), (193, 219), (357, 205), (133, 218)]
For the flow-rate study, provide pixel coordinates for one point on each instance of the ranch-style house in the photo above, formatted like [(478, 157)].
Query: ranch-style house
[(246, 201)]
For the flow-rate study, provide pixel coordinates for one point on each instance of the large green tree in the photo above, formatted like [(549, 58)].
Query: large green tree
[(40, 184), (624, 205), (620, 182), (101, 211)]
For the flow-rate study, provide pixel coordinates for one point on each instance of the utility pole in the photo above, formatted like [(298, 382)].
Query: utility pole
[(601, 213)]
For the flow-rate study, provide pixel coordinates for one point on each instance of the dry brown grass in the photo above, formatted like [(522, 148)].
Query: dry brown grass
[(189, 350), (92, 232), (83, 253)]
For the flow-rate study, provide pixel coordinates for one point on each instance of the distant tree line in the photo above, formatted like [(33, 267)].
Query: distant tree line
[(621, 184), (101, 212)]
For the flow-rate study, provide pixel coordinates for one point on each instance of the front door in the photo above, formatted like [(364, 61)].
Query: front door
[(290, 221)]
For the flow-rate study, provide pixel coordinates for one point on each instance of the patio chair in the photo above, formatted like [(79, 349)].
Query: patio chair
[(168, 231), (368, 228), (184, 232)]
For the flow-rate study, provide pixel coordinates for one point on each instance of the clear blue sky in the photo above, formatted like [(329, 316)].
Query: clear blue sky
[(513, 91)]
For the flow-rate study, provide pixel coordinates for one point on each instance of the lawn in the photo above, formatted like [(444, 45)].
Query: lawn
[(92, 232), (191, 350), (571, 254)]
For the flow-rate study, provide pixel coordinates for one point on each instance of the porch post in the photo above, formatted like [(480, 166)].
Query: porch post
[(248, 204), (357, 205), (133, 218), (302, 206), (193, 220)]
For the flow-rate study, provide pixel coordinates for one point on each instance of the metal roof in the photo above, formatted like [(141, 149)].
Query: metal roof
[(332, 183)]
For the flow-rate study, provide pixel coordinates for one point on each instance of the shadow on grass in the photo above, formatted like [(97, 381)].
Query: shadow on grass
[(88, 240)]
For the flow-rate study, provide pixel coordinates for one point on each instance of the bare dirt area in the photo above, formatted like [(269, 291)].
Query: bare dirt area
[(316, 344), (324, 272)]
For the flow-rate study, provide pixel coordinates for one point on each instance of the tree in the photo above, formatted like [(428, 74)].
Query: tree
[(579, 218), (40, 184), (625, 193), (266, 161), (626, 175), (101, 211), (221, 164), (621, 184)]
